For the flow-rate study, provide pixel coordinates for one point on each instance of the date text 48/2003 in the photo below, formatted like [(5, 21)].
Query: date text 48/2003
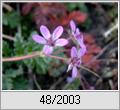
[(60, 99)]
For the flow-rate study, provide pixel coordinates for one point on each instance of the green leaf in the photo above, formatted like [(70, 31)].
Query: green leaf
[(72, 86), (82, 7), (19, 45), (9, 76), (20, 83), (73, 6), (7, 83), (6, 50), (41, 65), (11, 18), (11, 73)]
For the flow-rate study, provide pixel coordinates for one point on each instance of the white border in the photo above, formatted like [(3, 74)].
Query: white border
[(60, 90), (82, 1)]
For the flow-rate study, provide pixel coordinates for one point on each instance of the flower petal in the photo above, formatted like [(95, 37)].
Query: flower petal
[(70, 79), (72, 25), (73, 52), (47, 49), (74, 72), (57, 33), (45, 32), (82, 50), (69, 67), (61, 42), (39, 39), (77, 31), (80, 39)]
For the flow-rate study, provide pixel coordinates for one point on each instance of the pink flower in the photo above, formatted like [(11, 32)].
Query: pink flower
[(50, 40), (75, 61), (78, 36), (74, 29)]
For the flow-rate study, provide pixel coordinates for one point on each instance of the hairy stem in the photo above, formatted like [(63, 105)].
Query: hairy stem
[(17, 58), (57, 57), (34, 54), (8, 37)]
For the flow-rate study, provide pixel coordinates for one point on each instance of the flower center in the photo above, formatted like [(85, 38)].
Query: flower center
[(50, 42), (76, 61)]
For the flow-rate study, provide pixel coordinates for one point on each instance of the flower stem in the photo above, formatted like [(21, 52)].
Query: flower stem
[(34, 54), (57, 57), (17, 58), (8, 37)]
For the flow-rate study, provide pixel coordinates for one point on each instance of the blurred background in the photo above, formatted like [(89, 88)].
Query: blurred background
[(97, 21)]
